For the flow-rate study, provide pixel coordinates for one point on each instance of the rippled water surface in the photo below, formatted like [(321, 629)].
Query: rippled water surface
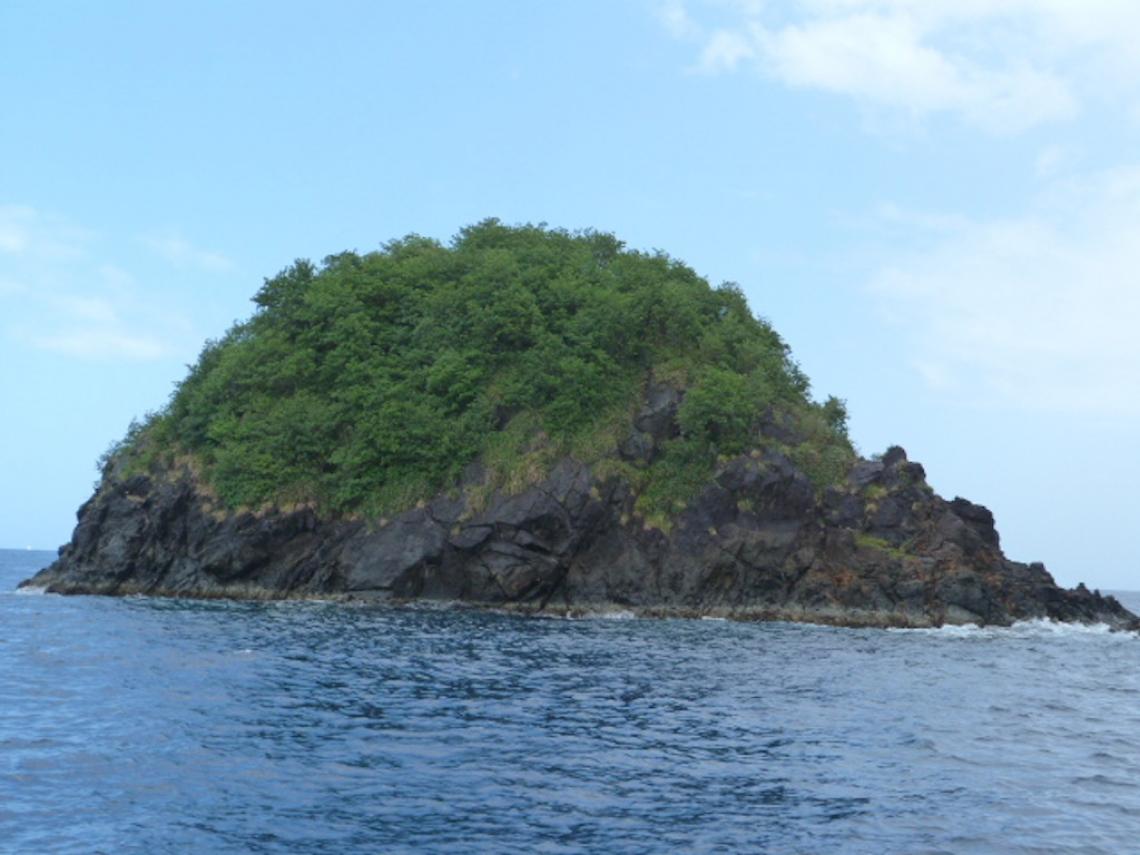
[(138, 725)]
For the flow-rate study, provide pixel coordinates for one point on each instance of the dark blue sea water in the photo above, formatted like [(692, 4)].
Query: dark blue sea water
[(150, 726)]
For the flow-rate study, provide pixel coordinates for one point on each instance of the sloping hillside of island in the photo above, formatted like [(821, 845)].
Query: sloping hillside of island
[(537, 420)]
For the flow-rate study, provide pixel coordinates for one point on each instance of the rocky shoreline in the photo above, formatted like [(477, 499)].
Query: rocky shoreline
[(759, 543)]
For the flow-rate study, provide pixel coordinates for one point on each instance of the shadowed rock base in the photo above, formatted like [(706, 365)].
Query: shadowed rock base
[(758, 544)]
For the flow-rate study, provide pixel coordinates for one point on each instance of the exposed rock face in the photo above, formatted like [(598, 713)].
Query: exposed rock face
[(759, 542)]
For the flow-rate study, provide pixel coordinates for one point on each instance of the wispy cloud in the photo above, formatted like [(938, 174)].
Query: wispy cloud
[(1050, 161), (116, 276), (26, 232), (11, 287), (676, 19), (101, 344), (62, 295), (89, 327), (1037, 311), (1001, 65), (177, 250), (94, 309)]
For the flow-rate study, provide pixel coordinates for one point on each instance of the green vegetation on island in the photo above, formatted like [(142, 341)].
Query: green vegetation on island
[(372, 381)]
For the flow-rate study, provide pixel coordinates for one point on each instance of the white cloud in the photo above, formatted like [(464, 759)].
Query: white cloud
[(11, 287), (87, 327), (1050, 160), (1002, 65), (12, 237), (884, 60), (60, 296), (724, 50), (115, 276), (180, 251), (101, 344), (675, 18), (1038, 311), (24, 231), (94, 309)]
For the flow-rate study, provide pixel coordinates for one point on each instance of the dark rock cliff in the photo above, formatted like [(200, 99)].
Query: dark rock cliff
[(760, 542)]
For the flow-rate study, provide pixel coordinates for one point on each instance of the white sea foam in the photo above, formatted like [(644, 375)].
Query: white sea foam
[(618, 615), (30, 591), (1036, 628), (1055, 627), (590, 614)]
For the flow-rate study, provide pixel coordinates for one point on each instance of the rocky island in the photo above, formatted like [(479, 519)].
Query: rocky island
[(534, 420)]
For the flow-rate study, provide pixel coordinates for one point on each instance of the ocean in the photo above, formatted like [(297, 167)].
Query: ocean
[(153, 726)]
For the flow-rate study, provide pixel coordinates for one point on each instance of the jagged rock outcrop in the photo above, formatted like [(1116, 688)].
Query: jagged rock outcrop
[(758, 543)]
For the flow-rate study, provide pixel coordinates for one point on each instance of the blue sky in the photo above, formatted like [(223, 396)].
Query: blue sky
[(937, 203)]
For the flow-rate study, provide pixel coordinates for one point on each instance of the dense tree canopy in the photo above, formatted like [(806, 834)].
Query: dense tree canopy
[(373, 380)]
